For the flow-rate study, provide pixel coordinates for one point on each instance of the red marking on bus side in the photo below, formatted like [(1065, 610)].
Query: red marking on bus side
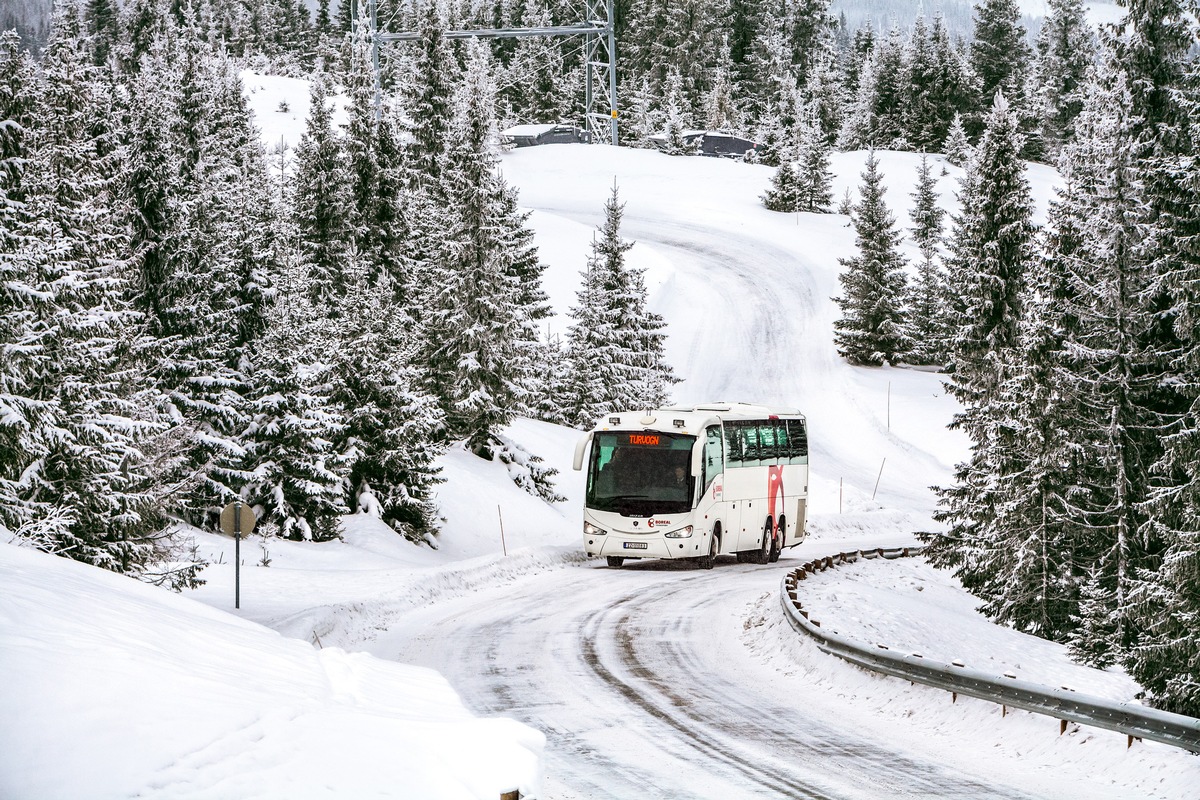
[(774, 490)]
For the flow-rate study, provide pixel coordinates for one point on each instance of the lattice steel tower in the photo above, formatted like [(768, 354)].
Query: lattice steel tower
[(600, 54)]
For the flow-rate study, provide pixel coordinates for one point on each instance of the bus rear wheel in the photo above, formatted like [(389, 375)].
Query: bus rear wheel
[(777, 541), (763, 554), (615, 561)]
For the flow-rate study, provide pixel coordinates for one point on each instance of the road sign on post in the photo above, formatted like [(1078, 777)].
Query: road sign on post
[(237, 518)]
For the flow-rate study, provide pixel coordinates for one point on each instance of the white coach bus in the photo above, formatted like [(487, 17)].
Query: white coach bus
[(695, 482)]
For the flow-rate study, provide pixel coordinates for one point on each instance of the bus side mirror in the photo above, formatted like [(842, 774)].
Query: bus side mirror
[(580, 448), (698, 459)]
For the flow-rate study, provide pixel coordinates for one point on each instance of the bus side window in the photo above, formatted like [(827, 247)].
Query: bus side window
[(735, 444), (714, 458), (799, 441)]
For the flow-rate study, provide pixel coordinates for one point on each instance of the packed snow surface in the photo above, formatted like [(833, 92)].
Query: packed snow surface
[(558, 671)]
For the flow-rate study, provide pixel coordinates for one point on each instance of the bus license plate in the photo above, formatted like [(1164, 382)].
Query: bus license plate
[(635, 545)]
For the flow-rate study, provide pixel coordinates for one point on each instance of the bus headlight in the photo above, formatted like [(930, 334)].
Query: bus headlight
[(591, 530), (682, 533)]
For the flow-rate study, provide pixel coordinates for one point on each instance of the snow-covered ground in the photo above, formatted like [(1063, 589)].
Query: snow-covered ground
[(109, 688)]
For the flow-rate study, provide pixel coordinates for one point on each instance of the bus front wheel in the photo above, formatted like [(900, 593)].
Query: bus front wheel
[(615, 561), (707, 562)]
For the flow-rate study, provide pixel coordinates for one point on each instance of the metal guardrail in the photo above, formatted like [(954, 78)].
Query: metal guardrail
[(1064, 704)]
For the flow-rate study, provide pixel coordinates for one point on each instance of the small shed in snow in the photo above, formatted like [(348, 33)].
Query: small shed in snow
[(530, 135), (712, 143)]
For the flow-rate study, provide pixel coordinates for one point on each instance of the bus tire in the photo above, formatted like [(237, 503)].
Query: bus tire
[(763, 554), (615, 561), (710, 560), (777, 541)]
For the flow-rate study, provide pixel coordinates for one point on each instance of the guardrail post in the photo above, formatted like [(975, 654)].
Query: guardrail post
[(1062, 727), (515, 794)]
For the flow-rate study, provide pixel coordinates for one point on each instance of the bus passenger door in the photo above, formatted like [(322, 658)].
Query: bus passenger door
[(712, 478)]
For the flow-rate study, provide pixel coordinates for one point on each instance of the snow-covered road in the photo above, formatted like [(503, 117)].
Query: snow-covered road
[(655, 681)]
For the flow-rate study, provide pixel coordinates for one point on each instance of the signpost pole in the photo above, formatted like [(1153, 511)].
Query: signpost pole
[(237, 555)]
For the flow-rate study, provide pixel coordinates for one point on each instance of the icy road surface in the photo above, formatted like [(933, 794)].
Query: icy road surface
[(660, 680)]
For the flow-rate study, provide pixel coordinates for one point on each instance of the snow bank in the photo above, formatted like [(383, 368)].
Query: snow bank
[(111, 688)]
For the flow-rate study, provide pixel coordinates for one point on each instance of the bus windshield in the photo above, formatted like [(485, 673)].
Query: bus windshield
[(640, 473)]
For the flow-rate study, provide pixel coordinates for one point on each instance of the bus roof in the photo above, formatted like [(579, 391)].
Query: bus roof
[(689, 419)]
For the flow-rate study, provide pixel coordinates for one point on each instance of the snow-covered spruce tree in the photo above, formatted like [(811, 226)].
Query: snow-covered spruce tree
[(958, 147), (990, 250), (592, 351), (814, 173), (871, 330), (677, 117), (644, 376), (722, 112), (858, 124), (537, 73), (86, 339), (1165, 91), (927, 295), (1110, 428), (360, 142), (293, 478), (921, 112), (551, 389), (483, 341), (391, 425), (786, 186), (217, 266), (891, 93), (1037, 544), (768, 66), (429, 97), (826, 95), (999, 55), (321, 200), (1066, 49), (21, 413), (952, 93)]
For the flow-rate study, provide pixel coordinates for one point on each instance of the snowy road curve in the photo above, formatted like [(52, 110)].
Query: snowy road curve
[(644, 683)]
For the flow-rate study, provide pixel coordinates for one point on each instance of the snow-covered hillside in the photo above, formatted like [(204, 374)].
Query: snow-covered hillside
[(109, 688)]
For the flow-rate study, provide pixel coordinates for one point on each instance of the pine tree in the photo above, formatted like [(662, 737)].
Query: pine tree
[(21, 413), (677, 117), (991, 246), (999, 54), (537, 72), (88, 481), (483, 339), (858, 125), (429, 97), (927, 298), (1155, 49), (815, 175), (322, 202), (361, 146), (646, 375), (391, 426), (592, 352), (958, 148), (1066, 50), (616, 345), (891, 93), (871, 330), (785, 191)]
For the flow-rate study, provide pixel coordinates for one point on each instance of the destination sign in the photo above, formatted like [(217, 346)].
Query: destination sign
[(644, 439)]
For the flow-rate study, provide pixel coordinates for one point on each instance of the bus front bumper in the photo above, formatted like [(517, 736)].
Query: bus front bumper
[(634, 546)]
